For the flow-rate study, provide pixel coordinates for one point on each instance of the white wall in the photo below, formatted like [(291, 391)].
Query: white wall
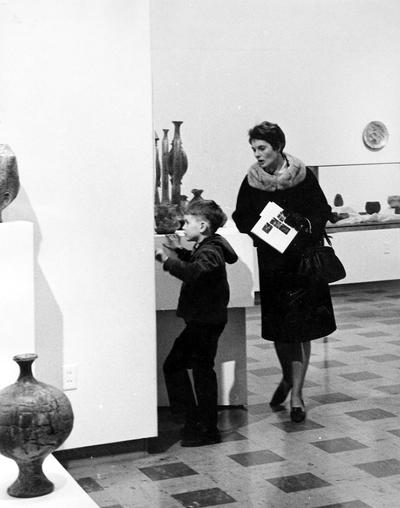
[(321, 69), (75, 107)]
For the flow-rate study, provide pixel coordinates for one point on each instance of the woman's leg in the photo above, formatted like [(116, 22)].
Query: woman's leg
[(300, 361), (294, 359)]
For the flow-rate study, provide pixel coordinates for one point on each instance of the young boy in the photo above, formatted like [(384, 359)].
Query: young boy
[(203, 302)]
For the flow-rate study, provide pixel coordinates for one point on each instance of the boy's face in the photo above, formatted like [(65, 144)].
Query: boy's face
[(193, 227)]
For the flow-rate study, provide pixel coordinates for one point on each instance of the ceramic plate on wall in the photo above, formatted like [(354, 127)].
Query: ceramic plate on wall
[(375, 135)]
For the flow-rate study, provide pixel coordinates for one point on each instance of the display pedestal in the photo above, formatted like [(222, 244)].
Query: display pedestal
[(67, 492), (230, 364), (17, 326)]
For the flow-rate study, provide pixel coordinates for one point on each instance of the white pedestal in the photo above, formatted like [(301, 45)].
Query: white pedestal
[(67, 492), (17, 333)]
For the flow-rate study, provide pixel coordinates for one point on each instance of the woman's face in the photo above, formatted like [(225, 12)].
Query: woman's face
[(264, 153)]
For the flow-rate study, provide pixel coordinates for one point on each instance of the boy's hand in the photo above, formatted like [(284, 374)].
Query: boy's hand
[(174, 242), (160, 255)]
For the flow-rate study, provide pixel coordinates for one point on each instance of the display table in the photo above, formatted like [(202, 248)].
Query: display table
[(369, 252), (67, 492), (230, 363)]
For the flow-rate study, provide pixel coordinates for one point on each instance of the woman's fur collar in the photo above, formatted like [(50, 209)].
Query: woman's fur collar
[(284, 178)]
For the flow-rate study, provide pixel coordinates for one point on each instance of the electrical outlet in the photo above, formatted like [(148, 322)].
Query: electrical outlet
[(386, 248), (70, 377)]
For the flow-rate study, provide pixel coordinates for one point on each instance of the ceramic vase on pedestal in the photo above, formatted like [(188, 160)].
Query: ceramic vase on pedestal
[(197, 196), (35, 419), (157, 182), (9, 178), (177, 163)]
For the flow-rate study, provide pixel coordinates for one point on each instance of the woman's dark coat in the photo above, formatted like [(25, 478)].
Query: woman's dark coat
[(294, 308)]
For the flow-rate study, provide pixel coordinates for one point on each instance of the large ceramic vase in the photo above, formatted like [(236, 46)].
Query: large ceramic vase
[(35, 419), (177, 164)]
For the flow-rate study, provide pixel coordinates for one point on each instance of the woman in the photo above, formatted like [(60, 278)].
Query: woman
[(295, 309)]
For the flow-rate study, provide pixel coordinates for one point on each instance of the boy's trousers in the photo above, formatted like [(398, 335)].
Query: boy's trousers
[(195, 348)]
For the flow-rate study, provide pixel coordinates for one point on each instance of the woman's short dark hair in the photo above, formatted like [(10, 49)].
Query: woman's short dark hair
[(269, 132), (209, 211)]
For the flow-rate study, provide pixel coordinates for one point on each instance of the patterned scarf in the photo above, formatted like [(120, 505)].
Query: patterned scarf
[(289, 175)]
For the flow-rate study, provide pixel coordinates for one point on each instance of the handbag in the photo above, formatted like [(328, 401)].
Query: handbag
[(321, 261)]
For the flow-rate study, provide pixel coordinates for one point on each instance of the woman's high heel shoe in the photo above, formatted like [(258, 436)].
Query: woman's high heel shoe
[(280, 394), (298, 414)]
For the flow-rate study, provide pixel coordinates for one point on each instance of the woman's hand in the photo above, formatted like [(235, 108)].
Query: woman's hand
[(297, 221)]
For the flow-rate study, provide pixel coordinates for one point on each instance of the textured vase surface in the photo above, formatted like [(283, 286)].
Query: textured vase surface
[(35, 419), (177, 163)]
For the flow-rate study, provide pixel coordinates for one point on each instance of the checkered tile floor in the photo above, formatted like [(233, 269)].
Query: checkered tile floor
[(345, 455)]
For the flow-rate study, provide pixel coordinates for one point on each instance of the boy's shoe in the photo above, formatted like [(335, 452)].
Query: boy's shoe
[(202, 438), (189, 430)]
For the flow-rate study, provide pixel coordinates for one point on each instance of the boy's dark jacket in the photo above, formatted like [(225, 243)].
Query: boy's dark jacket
[(204, 294)]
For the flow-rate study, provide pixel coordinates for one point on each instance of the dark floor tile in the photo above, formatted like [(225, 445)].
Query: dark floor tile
[(89, 484), (395, 432), (289, 426), (384, 358), (252, 360), (343, 444), (360, 376), (266, 345), (113, 506), (395, 342), (390, 389), (359, 300), (167, 471), (365, 314), (298, 482), (352, 349), (232, 436), (332, 398), (205, 497), (373, 334), (256, 458), (348, 327), (391, 321), (310, 384), (347, 504), (381, 468), (267, 371), (327, 364), (366, 415)]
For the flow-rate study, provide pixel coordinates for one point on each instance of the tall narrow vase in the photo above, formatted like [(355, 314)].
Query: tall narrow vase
[(157, 182), (177, 163), (164, 168), (35, 419)]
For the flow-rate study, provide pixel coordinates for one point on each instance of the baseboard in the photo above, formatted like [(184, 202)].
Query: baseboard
[(135, 447)]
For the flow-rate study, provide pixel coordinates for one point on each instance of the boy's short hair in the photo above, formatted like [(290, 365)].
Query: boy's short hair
[(209, 211)]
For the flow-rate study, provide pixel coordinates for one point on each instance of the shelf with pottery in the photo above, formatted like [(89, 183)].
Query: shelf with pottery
[(230, 362)]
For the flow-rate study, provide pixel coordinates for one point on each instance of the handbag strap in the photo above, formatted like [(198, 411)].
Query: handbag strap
[(327, 238)]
